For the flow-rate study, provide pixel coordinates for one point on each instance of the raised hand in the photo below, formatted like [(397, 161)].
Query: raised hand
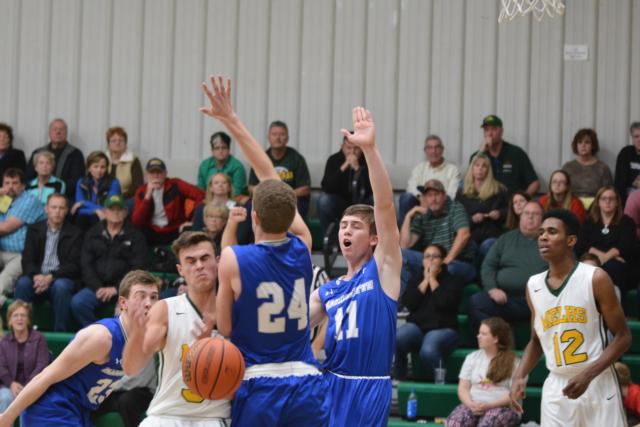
[(364, 130), (219, 97), (237, 214)]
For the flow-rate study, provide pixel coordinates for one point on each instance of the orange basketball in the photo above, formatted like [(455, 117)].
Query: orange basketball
[(213, 368)]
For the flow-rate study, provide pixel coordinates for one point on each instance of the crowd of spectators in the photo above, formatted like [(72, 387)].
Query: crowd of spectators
[(70, 229)]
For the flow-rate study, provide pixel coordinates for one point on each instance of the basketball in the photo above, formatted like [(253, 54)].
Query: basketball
[(213, 368)]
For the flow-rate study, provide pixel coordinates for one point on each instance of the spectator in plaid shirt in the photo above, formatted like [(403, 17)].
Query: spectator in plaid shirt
[(23, 210)]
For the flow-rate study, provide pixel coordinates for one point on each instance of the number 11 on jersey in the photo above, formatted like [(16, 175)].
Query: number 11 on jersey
[(352, 321)]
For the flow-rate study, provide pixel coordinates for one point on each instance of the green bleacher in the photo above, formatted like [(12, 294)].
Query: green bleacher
[(437, 401)]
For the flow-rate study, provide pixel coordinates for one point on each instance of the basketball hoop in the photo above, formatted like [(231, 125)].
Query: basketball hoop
[(514, 8)]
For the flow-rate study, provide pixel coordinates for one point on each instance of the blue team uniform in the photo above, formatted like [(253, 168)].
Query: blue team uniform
[(70, 402), (359, 344), (282, 385)]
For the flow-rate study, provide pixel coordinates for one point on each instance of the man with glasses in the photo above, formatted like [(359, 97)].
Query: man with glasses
[(506, 269), (222, 161), (434, 167)]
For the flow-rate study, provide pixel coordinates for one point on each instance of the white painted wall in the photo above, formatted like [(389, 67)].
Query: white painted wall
[(422, 66)]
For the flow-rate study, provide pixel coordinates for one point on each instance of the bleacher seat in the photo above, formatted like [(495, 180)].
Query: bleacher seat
[(438, 400)]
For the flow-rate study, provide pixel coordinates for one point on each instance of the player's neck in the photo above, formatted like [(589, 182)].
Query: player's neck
[(559, 269), (203, 301), (263, 237), (355, 264)]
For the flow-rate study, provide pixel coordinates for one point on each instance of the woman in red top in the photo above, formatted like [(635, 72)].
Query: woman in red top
[(560, 196)]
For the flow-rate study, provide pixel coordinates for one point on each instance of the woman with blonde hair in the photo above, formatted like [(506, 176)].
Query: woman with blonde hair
[(560, 196), (218, 193), (23, 353), (485, 380), (485, 200)]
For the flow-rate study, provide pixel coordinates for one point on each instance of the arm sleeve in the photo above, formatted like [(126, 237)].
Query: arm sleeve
[(528, 172), (5, 376), (627, 241), (137, 176), (453, 183), (202, 175), (302, 177), (449, 294), (332, 176), (69, 266), (239, 179), (489, 268), (90, 277), (413, 183), (621, 173), (190, 191), (42, 356), (142, 209), (467, 367), (31, 265), (607, 179), (412, 297)]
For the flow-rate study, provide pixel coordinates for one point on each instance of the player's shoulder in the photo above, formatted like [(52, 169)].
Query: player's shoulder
[(537, 279)]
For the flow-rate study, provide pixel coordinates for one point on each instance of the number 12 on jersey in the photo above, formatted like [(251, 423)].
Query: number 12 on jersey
[(352, 321)]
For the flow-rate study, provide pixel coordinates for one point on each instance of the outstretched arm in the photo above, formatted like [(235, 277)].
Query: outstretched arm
[(387, 253), (222, 109), (228, 290), (611, 311), (91, 345)]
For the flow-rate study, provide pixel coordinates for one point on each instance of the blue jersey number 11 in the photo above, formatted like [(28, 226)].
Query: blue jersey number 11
[(352, 321)]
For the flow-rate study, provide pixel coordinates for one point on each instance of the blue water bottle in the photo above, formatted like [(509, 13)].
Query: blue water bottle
[(412, 406)]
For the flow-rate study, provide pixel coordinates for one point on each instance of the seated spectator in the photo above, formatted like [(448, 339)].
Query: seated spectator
[(485, 201), (505, 272), (10, 157), (432, 325), (345, 182), (215, 219), (517, 202), (93, 190), (434, 167), (610, 235), (588, 173), (69, 160), (627, 179), (485, 380), (437, 221), (23, 353), (632, 210), (51, 261), (159, 205), (23, 210), (290, 165), (510, 164), (630, 394), (45, 184), (110, 250), (221, 161), (218, 193), (124, 166), (130, 396), (561, 196)]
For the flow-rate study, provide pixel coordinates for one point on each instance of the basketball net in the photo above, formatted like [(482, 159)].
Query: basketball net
[(514, 8)]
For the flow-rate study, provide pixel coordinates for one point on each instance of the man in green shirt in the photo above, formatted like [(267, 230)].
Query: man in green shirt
[(222, 161), (289, 164), (506, 270), (510, 164)]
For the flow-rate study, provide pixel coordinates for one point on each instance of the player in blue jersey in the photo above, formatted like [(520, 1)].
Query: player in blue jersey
[(263, 296), (81, 377), (361, 306)]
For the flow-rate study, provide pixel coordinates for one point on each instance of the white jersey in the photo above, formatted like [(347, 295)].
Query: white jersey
[(567, 321), (173, 398)]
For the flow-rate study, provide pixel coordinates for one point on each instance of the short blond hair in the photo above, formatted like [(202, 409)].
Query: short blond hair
[(20, 304), (137, 277), (213, 209)]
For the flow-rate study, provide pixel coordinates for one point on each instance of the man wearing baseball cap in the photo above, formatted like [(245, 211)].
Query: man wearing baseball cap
[(437, 220), (159, 205), (511, 165)]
